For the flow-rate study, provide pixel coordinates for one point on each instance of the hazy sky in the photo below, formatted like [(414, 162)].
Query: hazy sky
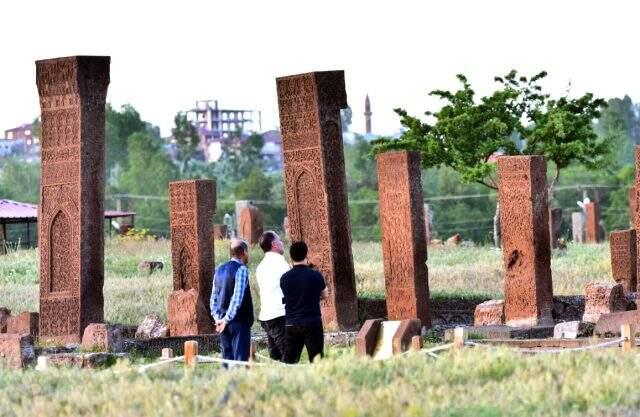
[(165, 55)]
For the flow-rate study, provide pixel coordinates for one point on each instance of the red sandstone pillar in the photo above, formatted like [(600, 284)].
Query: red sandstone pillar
[(315, 184), (622, 244), (192, 205), (524, 220), (70, 215), (404, 244), (592, 222)]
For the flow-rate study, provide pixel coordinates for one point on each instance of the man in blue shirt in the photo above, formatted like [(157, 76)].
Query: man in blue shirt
[(303, 288), (231, 303)]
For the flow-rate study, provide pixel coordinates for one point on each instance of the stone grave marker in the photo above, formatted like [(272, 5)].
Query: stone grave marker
[(250, 227), (592, 222), (622, 245), (577, 227)]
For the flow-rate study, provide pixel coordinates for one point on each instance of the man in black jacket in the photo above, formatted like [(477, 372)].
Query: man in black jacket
[(303, 288)]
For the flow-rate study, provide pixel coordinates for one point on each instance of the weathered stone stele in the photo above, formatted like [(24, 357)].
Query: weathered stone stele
[(489, 313), (524, 219), (577, 227), (250, 226), (622, 245), (404, 244), (603, 298), (191, 211), (315, 184), (592, 222), (70, 215)]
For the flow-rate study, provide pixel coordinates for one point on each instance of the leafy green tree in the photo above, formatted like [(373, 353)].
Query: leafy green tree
[(517, 118), (186, 136), (256, 186), (120, 124), (149, 172)]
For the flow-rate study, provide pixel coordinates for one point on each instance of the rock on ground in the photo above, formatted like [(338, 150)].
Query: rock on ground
[(151, 327)]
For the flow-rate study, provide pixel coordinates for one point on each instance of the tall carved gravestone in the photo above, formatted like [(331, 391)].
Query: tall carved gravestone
[(633, 207), (192, 205), (72, 94), (592, 222), (524, 219), (622, 244), (577, 227), (404, 244), (315, 184)]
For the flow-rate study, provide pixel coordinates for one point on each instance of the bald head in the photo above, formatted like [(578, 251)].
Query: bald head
[(238, 249)]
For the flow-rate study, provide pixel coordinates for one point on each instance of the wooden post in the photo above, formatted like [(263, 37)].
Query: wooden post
[(628, 333), (190, 353), (416, 343), (459, 337), (167, 353)]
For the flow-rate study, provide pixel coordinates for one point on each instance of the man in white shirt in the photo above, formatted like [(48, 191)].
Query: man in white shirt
[(268, 274)]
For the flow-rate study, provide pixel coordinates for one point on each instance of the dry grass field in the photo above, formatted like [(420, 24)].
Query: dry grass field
[(453, 272), (472, 382)]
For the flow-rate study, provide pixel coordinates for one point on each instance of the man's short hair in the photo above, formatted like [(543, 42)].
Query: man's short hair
[(266, 240), (298, 251), (238, 247)]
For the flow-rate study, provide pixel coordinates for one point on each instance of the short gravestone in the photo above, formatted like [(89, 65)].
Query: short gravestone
[(72, 94), (220, 232), (572, 330), (103, 338), (191, 210), (524, 220), (622, 245), (489, 313), (5, 313), (16, 350), (404, 244), (592, 222), (577, 227), (24, 323), (608, 325), (603, 298), (251, 226), (382, 339), (555, 224), (149, 267)]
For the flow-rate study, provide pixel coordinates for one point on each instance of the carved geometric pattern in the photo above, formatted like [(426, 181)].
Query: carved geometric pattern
[(315, 184), (403, 236), (70, 220), (524, 223), (192, 205)]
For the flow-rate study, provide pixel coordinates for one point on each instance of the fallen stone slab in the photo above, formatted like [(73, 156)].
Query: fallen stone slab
[(16, 350), (503, 332), (572, 330), (367, 337), (84, 360), (540, 343), (609, 324), (151, 327)]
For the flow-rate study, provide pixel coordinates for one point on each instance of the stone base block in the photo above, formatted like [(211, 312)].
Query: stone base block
[(603, 298), (16, 350), (489, 313), (103, 338), (503, 332), (84, 360), (188, 314), (608, 325), (23, 323), (572, 330), (367, 337)]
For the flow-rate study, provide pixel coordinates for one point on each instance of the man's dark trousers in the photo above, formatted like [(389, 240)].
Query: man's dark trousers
[(235, 341), (275, 337), (299, 336)]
